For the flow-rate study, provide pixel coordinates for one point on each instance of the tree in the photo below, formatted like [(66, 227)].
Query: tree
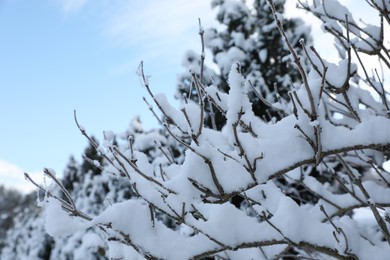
[(248, 35), (28, 239), (331, 119), (92, 191), (12, 203)]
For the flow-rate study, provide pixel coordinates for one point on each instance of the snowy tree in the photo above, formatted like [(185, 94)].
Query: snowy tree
[(12, 203), (28, 238), (338, 115), (248, 35), (92, 191)]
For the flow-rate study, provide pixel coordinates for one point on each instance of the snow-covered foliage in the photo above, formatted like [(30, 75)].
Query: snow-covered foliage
[(28, 238), (92, 192), (248, 35), (12, 203), (331, 141)]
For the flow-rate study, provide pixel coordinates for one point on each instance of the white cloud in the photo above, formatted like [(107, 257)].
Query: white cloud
[(12, 176), (148, 21), (163, 30), (157, 32), (158, 29), (152, 29), (72, 5)]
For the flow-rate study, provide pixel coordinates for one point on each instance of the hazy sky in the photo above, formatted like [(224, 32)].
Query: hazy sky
[(61, 55)]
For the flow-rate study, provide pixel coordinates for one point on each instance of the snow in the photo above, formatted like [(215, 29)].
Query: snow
[(304, 181), (177, 117), (231, 10), (50, 171), (108, 135), (383, 5), (226, 167), (96, 163), (336, 137), (219, 97), (82, 128), (58, 222), (101, 150), (335, 9), (226, 60), (90, 242), (237, 93), (263, 54), (129, 218), (192, 114), (145, 141)]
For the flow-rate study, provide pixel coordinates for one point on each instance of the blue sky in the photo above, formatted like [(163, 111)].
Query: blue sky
[(57, 56), (61, 55)]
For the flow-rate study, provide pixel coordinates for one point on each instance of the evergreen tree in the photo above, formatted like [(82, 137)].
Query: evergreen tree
[(28, 238), (92, 192), (12, 203), (71, 175), (249, 35), (92, 159)]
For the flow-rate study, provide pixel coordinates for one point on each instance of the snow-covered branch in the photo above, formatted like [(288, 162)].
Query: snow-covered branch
[(259, 189)]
